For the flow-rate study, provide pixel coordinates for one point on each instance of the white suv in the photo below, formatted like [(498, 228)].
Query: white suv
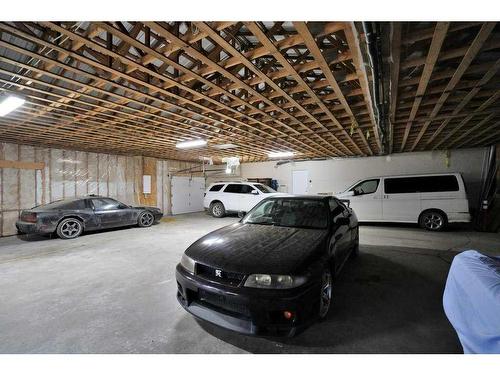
[(229, 197)]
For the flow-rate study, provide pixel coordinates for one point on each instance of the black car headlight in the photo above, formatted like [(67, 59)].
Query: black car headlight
[(274, 281), (187, 263)]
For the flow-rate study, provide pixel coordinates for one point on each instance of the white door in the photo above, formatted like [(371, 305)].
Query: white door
[(300, 182), (367, 200), (187, 194), (402, 201)]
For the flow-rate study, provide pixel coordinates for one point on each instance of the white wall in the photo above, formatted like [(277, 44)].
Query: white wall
[(335, 175)]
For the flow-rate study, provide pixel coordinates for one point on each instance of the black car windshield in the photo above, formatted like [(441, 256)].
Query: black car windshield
[(286, 212), (264, 189)]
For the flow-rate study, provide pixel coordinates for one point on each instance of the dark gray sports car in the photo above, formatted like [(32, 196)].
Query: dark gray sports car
[(71, 217)]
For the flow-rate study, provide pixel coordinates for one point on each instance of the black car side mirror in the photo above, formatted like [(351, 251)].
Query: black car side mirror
[(347, 202), (241, 214), (343, 221)]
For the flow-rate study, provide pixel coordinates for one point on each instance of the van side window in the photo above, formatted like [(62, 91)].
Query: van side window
[(216, 188), (424, 184), (366, 187)]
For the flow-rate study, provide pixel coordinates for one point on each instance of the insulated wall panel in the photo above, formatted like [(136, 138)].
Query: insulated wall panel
[(56, 175), (92, 173), (81, 166)]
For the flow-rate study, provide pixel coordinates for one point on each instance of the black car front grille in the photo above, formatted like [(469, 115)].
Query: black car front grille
[(222, 302), (218, 275)]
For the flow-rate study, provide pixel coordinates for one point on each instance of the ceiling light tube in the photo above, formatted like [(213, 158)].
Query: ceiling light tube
[(281, 154), (9, 104), (192, 144)]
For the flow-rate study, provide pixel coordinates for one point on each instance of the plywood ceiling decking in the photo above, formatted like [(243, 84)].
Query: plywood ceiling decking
[(141, 87), (448, 85)]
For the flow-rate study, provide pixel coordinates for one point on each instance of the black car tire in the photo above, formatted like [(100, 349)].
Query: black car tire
[(217, 209), (145, 219), (69, 228), (326, 293), (433, 220)]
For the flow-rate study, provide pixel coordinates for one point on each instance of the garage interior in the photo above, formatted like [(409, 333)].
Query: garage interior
[(106, 105)]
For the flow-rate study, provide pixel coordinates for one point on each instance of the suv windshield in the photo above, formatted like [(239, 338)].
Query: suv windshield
[(264, 189), (286, 212)]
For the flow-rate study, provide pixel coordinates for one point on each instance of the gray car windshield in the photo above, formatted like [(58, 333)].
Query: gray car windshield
[(283, 212)]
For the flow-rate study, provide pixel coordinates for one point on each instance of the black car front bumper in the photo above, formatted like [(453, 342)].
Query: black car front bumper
[(250, 311)]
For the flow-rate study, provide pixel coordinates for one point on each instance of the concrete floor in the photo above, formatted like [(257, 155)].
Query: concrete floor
[(114, 292)]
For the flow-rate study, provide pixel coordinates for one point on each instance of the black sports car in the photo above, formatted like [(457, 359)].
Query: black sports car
[(272, 272), (71, 217)]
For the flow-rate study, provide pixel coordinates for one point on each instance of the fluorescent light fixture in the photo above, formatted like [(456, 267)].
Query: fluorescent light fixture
[(282, 154), (191, 144), (9, 104), (225, 146)]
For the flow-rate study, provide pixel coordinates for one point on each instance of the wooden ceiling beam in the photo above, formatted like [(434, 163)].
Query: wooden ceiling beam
[(313, 48), (469, 56), (259, 34), (353, 40), (395, 58), (485, 105), (431, 59), (160, 30)]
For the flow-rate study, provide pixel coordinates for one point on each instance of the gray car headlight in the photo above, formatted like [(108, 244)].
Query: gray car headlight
[(274, 281), (187, 263)]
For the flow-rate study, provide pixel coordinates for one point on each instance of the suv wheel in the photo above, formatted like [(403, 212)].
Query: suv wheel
[(217, 210), (69, 228), (433, 220)]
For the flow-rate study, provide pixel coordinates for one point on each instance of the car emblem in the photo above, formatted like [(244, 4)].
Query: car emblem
[(218, 273)]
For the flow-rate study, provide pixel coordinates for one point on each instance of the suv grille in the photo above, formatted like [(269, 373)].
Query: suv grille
[(218, 275)]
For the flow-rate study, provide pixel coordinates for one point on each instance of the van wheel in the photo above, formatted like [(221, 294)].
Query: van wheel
[(433, 220), (217, 209)]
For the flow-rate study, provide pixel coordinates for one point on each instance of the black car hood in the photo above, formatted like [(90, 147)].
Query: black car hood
[(253, 248)]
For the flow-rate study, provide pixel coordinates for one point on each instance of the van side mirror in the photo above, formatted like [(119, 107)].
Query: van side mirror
[(241, 214), (349, 193), (255, 192)]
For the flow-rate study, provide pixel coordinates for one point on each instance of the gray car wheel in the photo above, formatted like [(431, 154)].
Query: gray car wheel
[(69, 228), (218, 210), (325, 293), (146, 219), (433, 221)]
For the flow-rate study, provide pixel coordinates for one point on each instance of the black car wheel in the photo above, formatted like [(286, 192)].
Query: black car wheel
[(325, 293), (218, 210), (69, 228), (433, 220), (146, 219)]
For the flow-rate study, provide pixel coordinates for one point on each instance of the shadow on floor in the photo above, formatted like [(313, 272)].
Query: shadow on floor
[(386, 301), (452, 227), (32, 237)]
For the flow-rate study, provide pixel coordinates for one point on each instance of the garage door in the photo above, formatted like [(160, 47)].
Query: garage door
[(187, 194)]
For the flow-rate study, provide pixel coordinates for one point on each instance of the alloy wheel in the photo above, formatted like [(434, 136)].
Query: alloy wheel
[(217, 210), (326, 294), (71, 228), (147, 219), (433, 221)]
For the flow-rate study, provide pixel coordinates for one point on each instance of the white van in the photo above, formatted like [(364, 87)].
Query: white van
[(431, 200)]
